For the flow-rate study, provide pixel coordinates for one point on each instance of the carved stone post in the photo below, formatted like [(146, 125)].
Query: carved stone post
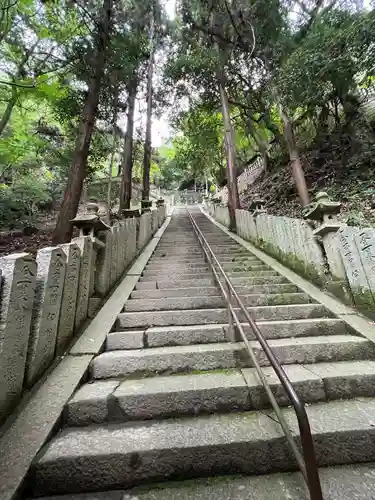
[(89, 225), (324, 211), (18, 276)]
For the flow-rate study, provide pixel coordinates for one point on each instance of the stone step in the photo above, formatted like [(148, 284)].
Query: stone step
[(207, 334), (181, 303), (168, 275), (244, 267), (154, 397), (212, 302), (207, 316), (211, 290), (162, 266), (176, 292), (123, 455), (152, 283), (175, 303), (162, 284), (349, 482), (237, 257), (250, 274), (191, 260), (176, 260), (189, 275), (210, 392), (178, 359), (182, 252)]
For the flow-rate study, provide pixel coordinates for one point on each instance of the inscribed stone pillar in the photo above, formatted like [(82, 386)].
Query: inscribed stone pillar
[(69, 299), (133, 240), (115, 244), (51, 266), (149, 227), (85, 244), (239, 223), (154, 221), (143, 230), (365, 241), (103, 262), (18, 276), (355, 271), (121, 251)]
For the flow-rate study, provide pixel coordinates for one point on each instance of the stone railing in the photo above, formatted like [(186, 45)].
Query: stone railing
[(337, 257), (248, 177), (45, 301)]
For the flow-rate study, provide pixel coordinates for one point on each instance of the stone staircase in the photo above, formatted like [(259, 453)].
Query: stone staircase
[(171, 398)]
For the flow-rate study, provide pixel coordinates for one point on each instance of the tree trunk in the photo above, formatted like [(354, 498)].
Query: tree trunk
[(147, 147), (8, 111), (73, 191), (127, 156), (110, 167), (233, 198), (112, 156), (295, 160)]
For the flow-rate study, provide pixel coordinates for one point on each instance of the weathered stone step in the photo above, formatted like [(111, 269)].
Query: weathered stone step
[(175, 252), (160, 264), (175, 303), (189, 275), (193, 259), (118, 455), (244, 267), (210, 392), (206, 316), (167, 275), (212, 302), (152, 284), (178, 359), (176, 292), (156, 265), (207, 334), (349, 482), (167, 266), (154, 397), (176, 260), (211, 290), (250, 274)]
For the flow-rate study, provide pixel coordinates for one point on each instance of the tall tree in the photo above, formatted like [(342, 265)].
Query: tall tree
[(69, 207), (233, 198), (127, 156), (149, 98)]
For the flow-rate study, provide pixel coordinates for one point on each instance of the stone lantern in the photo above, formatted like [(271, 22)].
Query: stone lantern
[(129, 213), (146, 206), (90, 223), (324, 212), (257, 205)]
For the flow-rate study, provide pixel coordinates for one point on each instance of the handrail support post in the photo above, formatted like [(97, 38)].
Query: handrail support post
[(231, 331)]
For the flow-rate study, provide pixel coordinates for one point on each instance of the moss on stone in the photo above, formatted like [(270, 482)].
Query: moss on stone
[(363, 299)]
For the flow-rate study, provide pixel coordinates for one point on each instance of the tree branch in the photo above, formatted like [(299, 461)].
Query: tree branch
[(13, 84)]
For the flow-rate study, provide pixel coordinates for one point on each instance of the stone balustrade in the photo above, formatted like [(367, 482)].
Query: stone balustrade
[(46, 301), (337, 257)]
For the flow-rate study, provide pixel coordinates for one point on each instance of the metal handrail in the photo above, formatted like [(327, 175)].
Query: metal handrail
[(307, 460)]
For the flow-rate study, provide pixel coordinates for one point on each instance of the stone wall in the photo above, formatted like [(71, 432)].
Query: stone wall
[(46, 301), (339, 258)]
